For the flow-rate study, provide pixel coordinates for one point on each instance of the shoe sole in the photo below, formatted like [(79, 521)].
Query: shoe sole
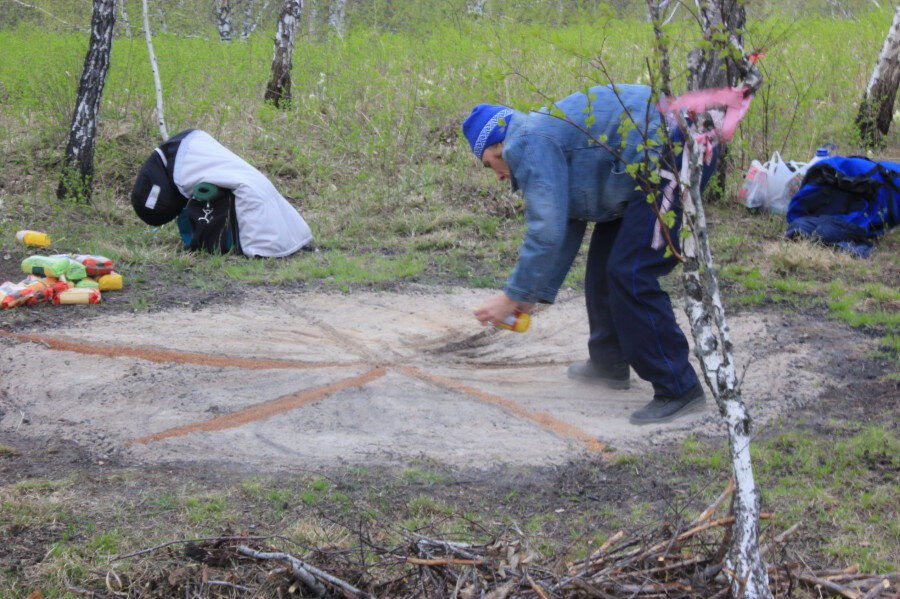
[(690, 407), (611, 383)]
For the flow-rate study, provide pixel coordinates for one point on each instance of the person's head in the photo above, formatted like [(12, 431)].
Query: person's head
[(492, 158), (485, 133)]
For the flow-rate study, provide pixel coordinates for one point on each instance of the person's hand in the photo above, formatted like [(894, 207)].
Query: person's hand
[(498, 307)]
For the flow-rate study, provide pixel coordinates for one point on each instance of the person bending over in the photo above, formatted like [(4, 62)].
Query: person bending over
[(568, 179)]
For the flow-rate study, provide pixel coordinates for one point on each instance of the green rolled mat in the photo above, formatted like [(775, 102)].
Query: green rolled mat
[(206, 192)]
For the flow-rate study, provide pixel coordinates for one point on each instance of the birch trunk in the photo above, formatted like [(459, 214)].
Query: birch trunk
[(223, 20), (876, 111), (712, 67), (712, 341), (476, 7), (312, 11), (278, 91), (78, 164), (251, 21), (713, 346), (123, 17), (161, 16), (337, 13), (160, 114)]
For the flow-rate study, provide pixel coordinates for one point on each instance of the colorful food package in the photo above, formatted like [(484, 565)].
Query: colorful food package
[(77, 295), (75, 271), (33, 238), (34, 290), (95, 265), (8, 288), (45, 266), (88, 283), (112, 281)]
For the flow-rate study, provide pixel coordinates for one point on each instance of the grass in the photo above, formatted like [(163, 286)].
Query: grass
[(372, 156), (801, 274), (839, 482)]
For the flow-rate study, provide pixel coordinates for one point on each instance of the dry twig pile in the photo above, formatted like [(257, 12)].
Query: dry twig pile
[(670, 562)]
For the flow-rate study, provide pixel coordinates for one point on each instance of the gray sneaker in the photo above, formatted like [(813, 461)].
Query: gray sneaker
[(614, 378), (665, 409)]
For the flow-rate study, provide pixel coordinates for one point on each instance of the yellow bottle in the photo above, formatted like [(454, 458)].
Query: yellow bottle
[(33, 238), (517, 322)]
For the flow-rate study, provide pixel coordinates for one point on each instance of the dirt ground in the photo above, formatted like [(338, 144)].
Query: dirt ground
[(267, 382)]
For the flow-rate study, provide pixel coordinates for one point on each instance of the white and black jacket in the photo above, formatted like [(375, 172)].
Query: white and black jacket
[(267, 224)]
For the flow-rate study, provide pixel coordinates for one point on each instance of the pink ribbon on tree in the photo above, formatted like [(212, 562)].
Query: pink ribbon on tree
[(734, 99)]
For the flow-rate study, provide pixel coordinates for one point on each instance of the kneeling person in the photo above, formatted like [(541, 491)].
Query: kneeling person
[(221, 202)]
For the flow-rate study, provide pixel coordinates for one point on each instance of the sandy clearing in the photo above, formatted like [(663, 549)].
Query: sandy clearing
[(327, 379)]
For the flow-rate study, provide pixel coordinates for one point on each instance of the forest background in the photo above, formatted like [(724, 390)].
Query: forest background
[(371, 154)]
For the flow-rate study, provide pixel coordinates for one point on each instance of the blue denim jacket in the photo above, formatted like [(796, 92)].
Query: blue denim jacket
[(567, 181)]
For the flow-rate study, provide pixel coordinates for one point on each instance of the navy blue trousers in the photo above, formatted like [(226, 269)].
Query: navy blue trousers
[(631, 317)]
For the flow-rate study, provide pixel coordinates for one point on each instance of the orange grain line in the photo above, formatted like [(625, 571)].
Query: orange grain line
[(165, 356), (542, 418), (266, 409)]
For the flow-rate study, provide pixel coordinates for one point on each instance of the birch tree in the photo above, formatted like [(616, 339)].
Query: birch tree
[(876, 111), (162, 15), (337, 14), (712, 341), (78, 164), (123, 17), (223, 19), (716, 63), (312, 11), (278, 91), (251, 21), (476, 7), (160, 113)]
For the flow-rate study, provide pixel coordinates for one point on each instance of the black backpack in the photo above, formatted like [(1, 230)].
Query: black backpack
[(209, 222)]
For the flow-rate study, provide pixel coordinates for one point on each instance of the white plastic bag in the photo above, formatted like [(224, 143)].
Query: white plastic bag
[(779, 173), (770, 186), (754, 192)]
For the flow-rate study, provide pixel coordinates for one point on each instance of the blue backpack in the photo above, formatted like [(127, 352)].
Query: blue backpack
[(857, 190)]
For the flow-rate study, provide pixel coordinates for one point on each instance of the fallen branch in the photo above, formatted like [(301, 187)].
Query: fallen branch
[(826, 584), (779, 539), (200, 540), (537, 588), (447, 561), (228, 584), (310, 575), (715, 505)]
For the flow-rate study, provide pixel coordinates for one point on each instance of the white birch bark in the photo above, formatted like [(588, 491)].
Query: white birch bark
[(714, 66), (123, 17), (476, 6), (711, 67), (312, 11), (278, 90), (78, 163), (337, 13), (250, 22), (713, 346), (876, 111), (160, 113), (223, 19), (161, 16), (712, 341)]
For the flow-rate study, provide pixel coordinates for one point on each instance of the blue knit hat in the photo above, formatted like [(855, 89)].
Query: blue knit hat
[(482, 129)]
